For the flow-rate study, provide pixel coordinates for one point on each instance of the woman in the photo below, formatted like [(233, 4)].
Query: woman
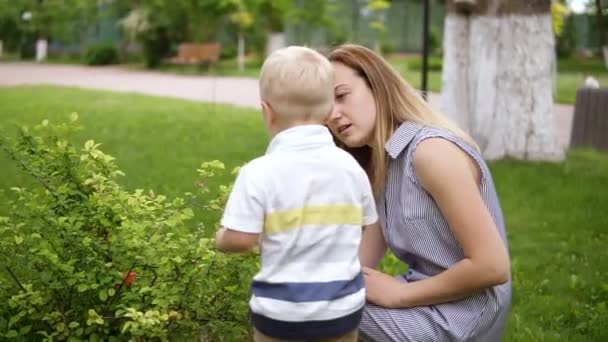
[(438, 207)]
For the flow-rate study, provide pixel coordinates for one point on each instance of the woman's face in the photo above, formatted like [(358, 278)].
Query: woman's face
[(353, 118)]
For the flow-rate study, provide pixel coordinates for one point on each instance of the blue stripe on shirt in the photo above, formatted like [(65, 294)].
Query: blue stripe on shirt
[(308, 292)]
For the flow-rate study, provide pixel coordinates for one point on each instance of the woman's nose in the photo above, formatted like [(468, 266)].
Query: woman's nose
[(335, 113)]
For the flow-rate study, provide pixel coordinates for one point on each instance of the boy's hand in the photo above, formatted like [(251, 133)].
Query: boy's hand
[(228, 240)]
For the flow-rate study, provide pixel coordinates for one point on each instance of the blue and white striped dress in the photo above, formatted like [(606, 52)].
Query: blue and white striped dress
[(418, 234)]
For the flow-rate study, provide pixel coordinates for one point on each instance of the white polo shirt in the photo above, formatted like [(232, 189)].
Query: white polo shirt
[(309, 200)]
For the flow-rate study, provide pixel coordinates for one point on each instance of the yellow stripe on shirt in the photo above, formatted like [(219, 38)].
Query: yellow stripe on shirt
[(285, 220)]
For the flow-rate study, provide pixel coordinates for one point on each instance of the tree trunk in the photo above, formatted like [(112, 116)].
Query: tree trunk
[(497, 77), (600, 25), (275, 41), (241, 52), (41, 49)]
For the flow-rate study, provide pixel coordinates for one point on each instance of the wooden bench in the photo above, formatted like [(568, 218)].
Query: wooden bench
[(198, 54), (590, 122)]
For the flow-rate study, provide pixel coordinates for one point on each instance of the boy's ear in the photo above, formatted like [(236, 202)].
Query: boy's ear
[(269, 114)]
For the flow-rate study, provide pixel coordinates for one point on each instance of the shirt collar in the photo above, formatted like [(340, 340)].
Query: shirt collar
[(401, 138), (299, 137)]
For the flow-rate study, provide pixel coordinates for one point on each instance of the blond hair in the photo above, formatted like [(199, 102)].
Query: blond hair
[(297, 82), (396, 102)]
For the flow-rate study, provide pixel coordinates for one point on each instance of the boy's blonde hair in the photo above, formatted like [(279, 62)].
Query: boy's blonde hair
[(297, 82)]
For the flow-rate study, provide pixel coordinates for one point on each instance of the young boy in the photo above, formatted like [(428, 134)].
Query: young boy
[(305, 201)]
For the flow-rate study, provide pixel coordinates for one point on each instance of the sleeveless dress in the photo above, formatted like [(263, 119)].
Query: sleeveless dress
[(418, 234)]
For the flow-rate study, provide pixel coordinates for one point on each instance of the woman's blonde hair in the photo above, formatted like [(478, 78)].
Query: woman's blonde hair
[(396, 102)]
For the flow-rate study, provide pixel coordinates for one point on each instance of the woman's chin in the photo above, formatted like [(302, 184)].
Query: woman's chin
[(354, 143)]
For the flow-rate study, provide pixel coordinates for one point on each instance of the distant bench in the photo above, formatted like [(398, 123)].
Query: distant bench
[(590, 123), (196, 54)]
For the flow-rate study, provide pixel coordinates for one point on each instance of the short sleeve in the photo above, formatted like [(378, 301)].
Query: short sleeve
[(370, 215), (244, 210)]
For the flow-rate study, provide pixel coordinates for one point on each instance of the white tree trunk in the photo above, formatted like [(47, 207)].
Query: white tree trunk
[(241, 52), (275, 41), (497, 83), (41, 49)]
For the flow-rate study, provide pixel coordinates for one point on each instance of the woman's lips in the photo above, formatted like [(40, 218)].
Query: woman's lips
[(343, 128)]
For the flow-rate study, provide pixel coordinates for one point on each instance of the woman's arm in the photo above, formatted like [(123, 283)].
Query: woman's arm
[(451, 177), (372, 247)]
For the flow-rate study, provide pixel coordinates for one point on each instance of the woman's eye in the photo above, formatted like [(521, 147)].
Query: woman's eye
[(340, 96)]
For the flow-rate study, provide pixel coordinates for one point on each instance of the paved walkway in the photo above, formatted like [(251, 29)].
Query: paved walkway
[(238, 91)]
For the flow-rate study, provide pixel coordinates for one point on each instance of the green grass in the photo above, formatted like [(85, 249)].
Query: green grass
[(571, 74), (555, 212), (557, 227), (159, 143)]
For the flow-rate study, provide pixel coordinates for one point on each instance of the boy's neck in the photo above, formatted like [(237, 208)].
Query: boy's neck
[(280, 128)]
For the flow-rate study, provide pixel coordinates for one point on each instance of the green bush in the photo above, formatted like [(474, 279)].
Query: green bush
[(435, 63), (434, 40), (101, 54), (83, 259)]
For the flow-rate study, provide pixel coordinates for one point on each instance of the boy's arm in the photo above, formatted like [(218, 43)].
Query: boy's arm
[(229, 240), (372, 247), (243, 218)]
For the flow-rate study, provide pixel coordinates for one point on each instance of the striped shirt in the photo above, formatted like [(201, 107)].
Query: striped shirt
[(418, 234), (309, 200)]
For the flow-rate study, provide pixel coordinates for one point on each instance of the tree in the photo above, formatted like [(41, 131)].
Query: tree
[(316, 14), (42, 20), (499, 57), (243, 19), (378, 8), (559, 11), (272, 14), (157, 23), (601, 32)]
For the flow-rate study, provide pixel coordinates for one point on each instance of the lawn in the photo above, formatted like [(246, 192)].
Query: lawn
[(555, 212), (159, 143)]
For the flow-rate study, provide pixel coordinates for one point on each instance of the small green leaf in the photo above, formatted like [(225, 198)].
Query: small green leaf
[(103, 295), (82, 288), (73, 325), (111, 292), (18, 239), (12, 333), (73, 117), (89, 144), (126, 327)]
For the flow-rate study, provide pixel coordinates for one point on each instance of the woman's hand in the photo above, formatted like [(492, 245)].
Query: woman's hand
[(382, 289)]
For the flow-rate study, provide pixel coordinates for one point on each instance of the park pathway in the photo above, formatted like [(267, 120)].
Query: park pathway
[(239, 91)]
